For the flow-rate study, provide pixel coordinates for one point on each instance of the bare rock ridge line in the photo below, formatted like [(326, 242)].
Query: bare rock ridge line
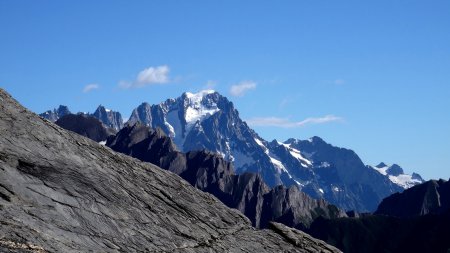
[(431, 197), (65, 193), (209, 172), (416, 220), (85, 125)]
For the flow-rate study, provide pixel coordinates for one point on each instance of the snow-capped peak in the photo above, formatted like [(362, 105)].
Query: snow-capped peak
[(199, 95), (196, 110), (381, 168), (404, 180)]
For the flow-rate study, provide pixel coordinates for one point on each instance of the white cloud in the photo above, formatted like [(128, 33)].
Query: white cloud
[(286, 123), (90, 87), (148, 76), (239, 90)]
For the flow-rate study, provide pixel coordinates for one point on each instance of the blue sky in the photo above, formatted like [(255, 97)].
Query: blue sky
[(373, 76)]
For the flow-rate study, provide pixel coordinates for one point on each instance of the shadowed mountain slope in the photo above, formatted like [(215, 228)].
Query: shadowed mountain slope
[(431, 197), (379, 233), (416, 220), (85, 125), (209, 172)]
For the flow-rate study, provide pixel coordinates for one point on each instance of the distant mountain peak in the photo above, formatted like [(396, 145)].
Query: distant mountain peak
[(381, 165), (395, 170), (55, 114), (396, 174), (199, 106), (109, 117), (102, 108), (313, 140), (199, 94)]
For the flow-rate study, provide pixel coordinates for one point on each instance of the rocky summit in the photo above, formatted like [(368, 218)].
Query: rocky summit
[(61, 192), (209, 121)]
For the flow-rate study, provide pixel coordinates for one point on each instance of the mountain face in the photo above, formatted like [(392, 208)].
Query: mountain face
[(109, 118), (431, 197), (61, 192), (85, 125), (209, 172), (207, 120), (395, 174), (337, 175), (55, 114)]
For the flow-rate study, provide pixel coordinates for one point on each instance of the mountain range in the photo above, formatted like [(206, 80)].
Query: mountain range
[(110, 119), (208, 121), (415, 220)]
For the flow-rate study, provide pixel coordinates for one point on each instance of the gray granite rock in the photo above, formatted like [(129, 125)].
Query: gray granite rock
[(61, 192)]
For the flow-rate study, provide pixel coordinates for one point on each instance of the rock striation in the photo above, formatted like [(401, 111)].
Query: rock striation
[(61, 192)]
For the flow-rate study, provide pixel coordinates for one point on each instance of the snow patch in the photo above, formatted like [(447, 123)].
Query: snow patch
[(324, 165), (173, 123), (278, 165), (102, 143), (196, 111), (403, 180), (297, 154), (260, 143), (382, 170), (298, 183)]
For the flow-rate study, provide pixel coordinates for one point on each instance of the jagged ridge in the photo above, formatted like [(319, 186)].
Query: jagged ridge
[(209, 172)]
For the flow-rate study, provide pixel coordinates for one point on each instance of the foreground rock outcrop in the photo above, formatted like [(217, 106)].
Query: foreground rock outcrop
[(60, 192)]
